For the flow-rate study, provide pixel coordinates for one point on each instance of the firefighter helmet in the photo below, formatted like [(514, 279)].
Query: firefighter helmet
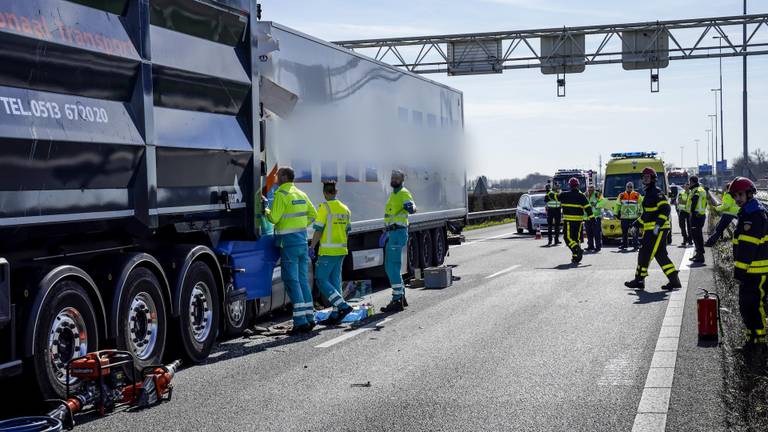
[(742, 184), (574, 182)]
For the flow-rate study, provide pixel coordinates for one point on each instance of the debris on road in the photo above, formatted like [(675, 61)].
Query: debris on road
[(365, 384)]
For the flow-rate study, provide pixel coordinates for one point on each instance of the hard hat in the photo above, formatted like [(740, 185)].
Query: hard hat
[(650, 171), (742, 184), (573, 182)]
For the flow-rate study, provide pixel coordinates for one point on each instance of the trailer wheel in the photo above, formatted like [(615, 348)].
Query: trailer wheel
[(66, 329), (517, 225), (142, 322), (236, 315), (199, 313), (440, 246), (426, 247), (412, 253)]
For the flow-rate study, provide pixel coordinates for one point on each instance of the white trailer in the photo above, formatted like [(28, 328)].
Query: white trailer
[(354, 120)]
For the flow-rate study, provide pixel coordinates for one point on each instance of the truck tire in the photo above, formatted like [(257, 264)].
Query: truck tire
[(517, 225), (441, 248), (426, 247), (530, 227), (412, 254), (199, 312), (141, 319), (236, 315), (66, 329)]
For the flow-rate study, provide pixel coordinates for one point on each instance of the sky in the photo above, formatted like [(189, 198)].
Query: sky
[(514, 121)]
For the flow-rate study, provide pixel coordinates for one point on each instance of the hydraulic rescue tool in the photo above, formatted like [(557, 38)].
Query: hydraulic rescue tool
[(98, 381)]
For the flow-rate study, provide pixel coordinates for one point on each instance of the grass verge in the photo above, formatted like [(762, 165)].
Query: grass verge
[(489, 224)]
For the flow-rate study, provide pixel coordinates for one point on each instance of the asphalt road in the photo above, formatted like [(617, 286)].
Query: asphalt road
[(522, 342)]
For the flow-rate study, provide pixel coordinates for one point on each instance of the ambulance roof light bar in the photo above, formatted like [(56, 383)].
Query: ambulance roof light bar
[(628, 155)]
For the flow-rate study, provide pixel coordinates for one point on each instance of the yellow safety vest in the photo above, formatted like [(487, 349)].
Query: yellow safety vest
[(728, 206), (552, 201), (683, 200), (395, 213), (701, 204), (333, 220), (291, 211)]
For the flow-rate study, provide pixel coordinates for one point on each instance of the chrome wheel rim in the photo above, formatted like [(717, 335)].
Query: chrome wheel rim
[(67, 340), (235, 310), (200, 313), (142, 326)]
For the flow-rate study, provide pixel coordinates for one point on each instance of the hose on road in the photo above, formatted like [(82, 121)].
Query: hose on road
[(31, 424)]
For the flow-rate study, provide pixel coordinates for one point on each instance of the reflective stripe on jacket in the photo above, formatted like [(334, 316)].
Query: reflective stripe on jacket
[(699, 196), (333, 220), (552, 201), (682, 201), (750, 243), (627, 205), (655, 209), (395, 212), (575, 206), (291, 211)]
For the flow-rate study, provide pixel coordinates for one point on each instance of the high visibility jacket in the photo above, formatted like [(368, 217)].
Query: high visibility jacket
[(333, 220), (575, 206), (395, 212), (597, 202), (750, 245), (698, 201), (728, 206), (291, 212), (683, 200), (628, 205), (552, 201), (655, 208)]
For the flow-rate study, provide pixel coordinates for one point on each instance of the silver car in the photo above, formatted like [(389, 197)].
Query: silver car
[(531, 213)]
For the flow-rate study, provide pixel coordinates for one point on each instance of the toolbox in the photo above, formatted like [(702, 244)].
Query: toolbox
[(438, 277)]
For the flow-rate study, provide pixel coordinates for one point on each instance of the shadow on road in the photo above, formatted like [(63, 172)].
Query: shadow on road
[(567, 266), (645, 297)]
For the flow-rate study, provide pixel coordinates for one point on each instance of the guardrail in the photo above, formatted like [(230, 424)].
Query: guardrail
[(491, 213)]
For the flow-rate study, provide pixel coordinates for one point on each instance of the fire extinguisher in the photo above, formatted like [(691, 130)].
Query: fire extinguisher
[(708, 308)]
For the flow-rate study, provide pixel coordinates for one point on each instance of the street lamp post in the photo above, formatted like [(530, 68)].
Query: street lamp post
[(745, 169), (713, 122), (697, 152), (709, 145), (681, 157), (720, 89)]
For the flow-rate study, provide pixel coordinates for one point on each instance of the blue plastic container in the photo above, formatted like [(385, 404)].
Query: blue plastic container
[(258, 258)]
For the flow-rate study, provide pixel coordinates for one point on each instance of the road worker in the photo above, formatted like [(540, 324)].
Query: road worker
[(594, 225), (750, 261), (399, 205), (627, 208), (332, 225), (292, 212), (684, 214), (728, 210), (655, 223), (698, 206), (575, 205), (554, 214)]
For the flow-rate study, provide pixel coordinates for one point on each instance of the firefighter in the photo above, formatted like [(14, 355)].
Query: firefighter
[(655, 224), (554, 214), (684, 215), (395, 237), (575, 205), (292, 212), (698, 206), (594, 225), (332, 226), (750, 261), (728, 210), (627, 210)]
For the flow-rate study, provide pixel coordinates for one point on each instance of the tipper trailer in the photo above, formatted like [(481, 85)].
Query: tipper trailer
[(138, 137)]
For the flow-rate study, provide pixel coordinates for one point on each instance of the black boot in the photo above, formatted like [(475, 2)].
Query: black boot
[(674, 282), (338, 316), (394, 306), (297, 330), (698, 258), (405, 301), (638, 284)]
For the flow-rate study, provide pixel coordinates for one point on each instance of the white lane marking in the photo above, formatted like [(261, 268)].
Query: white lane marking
[(351, 334), (654, 403), (506, 270), (484, 239)]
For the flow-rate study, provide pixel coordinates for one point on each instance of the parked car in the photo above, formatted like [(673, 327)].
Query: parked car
[(531, 213)]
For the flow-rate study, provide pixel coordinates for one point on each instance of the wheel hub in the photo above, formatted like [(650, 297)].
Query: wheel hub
[(67, 339), (142, 325), (200, 314), (236, 310)]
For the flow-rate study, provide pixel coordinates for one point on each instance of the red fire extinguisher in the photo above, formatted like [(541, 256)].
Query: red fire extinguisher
[(708, 308)]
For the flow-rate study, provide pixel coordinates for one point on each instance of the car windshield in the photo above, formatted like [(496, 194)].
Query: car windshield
[(617, 183), (538, 201), (563, 182)]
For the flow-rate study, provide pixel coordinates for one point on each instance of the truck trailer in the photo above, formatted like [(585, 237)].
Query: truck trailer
[(138, 137)]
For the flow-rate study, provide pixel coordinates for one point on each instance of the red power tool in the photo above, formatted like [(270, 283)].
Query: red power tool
[(103, 385)]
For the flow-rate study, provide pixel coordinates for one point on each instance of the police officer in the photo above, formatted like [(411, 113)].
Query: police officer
[(331, 226), (575, 206), (698, 206), (399, 205), (728, 210), (655, 224), (554, 214), (594, 225), (684, 214), (627, 208), (292, 212), (750, 255)]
